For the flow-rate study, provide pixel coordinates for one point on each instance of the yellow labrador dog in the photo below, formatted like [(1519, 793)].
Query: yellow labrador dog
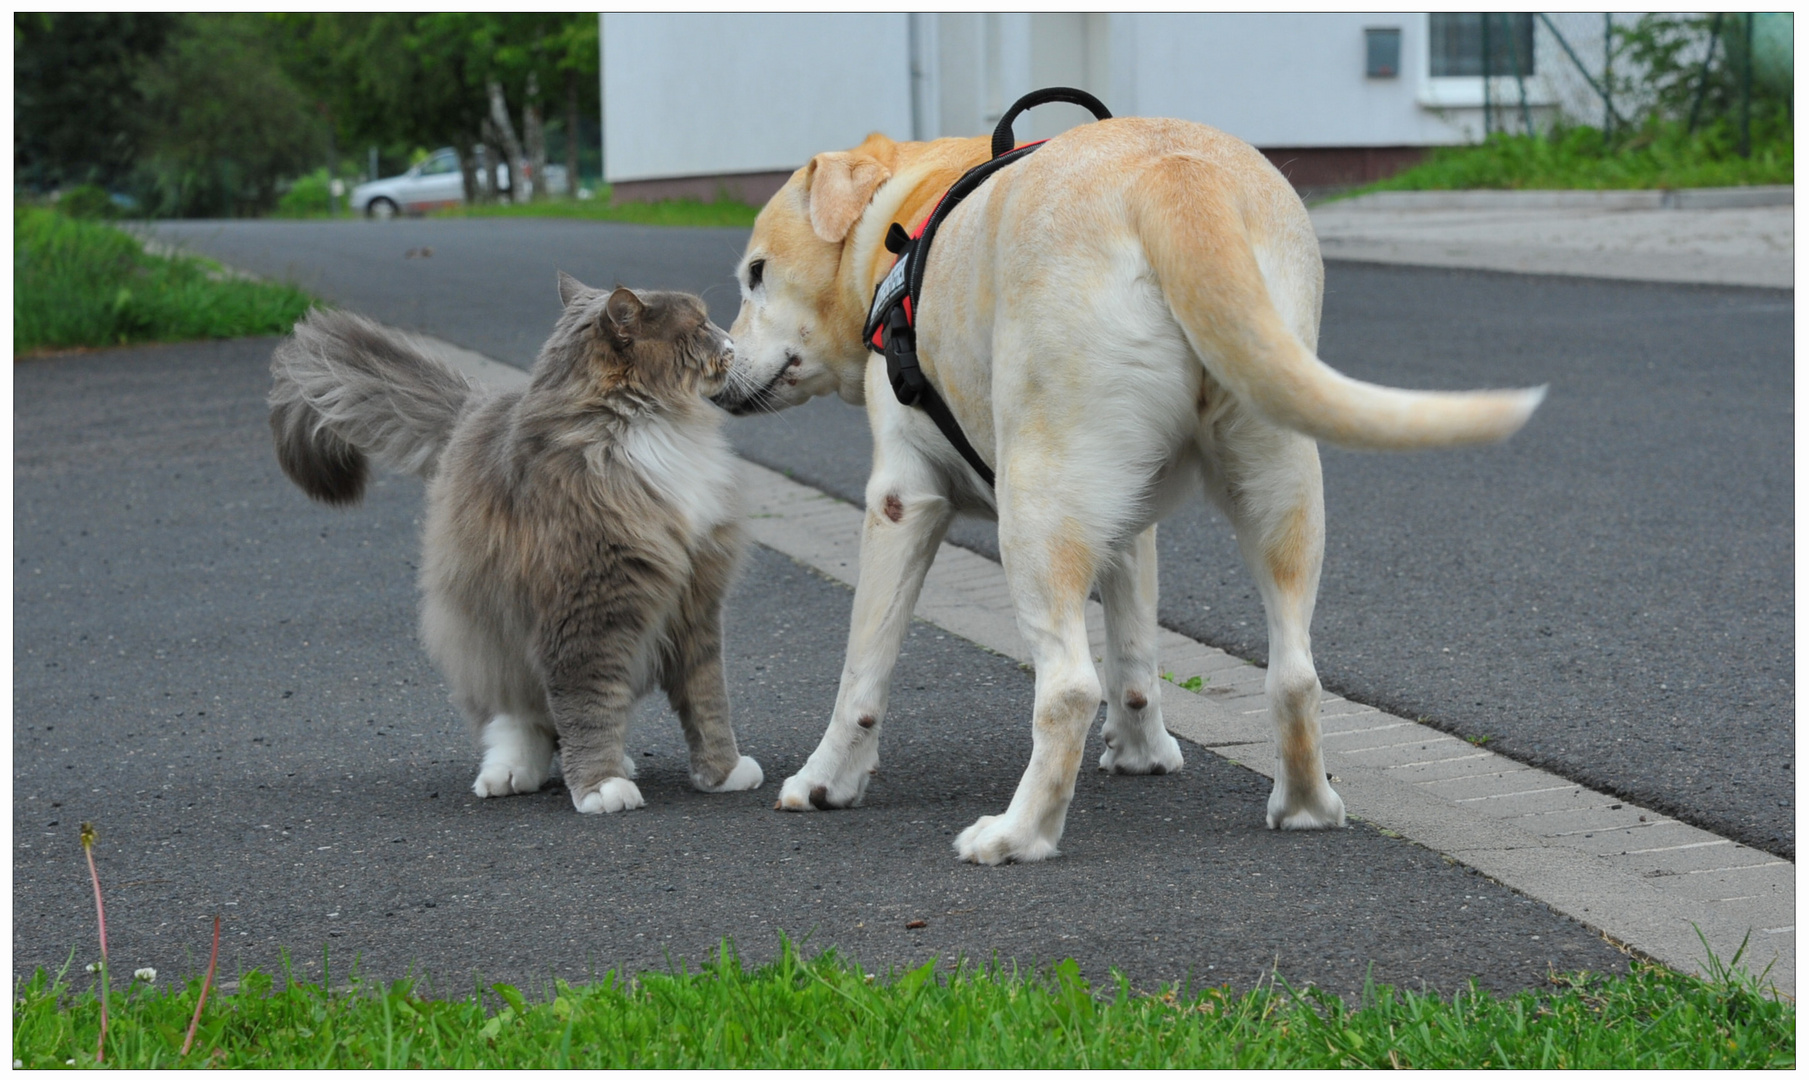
[(1125, 319)]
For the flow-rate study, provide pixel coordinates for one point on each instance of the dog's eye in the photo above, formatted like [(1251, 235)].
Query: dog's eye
[(755, 271)]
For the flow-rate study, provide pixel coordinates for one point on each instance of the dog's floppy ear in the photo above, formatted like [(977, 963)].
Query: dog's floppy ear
[(570, 288), (841, 185), (624, 310)]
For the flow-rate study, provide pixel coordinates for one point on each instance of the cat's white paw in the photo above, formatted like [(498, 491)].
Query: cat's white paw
[(502, 778), (745, 776), (629, 769), (518, 758), (612, 796)]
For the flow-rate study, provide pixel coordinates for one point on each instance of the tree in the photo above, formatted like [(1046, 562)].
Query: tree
[(224, 124), (510, 57), (77, 104)]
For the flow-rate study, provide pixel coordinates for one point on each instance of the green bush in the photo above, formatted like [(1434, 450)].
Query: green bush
[(1662, 154), (80, 283), (86, 201), (306, 197)]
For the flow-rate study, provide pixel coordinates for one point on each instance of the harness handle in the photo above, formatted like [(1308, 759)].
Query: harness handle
[(1002, 138)]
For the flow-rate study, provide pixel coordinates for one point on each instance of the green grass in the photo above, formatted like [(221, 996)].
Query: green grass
[(826, 1014), (1661, 156), (81, 283), (684, 212)]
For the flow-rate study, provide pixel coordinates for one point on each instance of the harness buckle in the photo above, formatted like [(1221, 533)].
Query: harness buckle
[(901, 358)]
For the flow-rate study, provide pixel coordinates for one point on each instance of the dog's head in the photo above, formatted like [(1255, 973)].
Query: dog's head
[(798, 332)]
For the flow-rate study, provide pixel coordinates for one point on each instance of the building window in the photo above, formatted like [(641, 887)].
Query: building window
[(1382, 52), (1457, 43)]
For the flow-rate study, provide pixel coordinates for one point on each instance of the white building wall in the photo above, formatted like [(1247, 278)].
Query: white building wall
[(1285, 79), (701, 95), (693, 95)]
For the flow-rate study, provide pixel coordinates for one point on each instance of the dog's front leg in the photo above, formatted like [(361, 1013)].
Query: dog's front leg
[(1051, 565), (905, 523)]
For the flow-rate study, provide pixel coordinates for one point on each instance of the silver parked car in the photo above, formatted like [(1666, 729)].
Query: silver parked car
[(434, 183)]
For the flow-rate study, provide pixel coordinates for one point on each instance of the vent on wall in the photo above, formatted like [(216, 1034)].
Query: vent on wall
[(1382, 52)]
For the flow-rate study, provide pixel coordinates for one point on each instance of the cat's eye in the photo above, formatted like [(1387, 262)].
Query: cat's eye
[(755, 271)]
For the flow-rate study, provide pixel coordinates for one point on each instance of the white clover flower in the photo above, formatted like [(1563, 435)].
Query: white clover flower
[(94, 967), (145, 974)]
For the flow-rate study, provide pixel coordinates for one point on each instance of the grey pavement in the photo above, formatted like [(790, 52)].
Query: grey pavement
[(1609, 596), (223, 677), (1642, 878), (488, 285), (1722, 236)]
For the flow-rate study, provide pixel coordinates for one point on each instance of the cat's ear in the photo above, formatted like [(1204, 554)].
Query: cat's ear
[(570, 288), (624, 310)]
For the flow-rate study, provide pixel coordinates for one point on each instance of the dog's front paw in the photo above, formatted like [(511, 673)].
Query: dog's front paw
[(745, 776), (1319, 809), (613, 795), (805, 791), (995, 840)]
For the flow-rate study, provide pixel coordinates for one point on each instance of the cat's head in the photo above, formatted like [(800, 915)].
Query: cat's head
[(653, 344)]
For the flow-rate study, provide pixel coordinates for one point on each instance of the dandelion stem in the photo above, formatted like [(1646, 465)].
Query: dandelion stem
[(100, 913), (212, 959)]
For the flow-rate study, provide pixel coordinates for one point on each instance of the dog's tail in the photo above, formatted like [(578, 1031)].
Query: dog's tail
[(347, 389), (1203, 258)]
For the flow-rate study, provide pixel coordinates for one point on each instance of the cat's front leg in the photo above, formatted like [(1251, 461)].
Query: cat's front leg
[(518, 756), (695, 683), (905, 523), (591, 716)]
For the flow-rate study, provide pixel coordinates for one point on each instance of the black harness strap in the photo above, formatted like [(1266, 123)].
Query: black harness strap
[(891, 321)]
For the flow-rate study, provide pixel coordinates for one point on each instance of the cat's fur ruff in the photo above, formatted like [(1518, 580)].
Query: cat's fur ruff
[(580, 533)]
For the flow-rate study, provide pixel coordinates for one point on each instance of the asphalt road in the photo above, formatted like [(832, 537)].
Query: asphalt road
[(224, 678), (1610, 596)]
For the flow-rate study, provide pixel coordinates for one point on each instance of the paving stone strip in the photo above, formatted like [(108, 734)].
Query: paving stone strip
[(1642, 878)]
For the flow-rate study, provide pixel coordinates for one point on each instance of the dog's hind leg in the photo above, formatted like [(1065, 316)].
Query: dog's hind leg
[(1273, 494), (906, 519), (1136, 740)]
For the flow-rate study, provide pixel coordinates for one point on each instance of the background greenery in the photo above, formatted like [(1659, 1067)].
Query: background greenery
[(687, 212), (1677, 124), (1660, 155), (827, 1014), (216, 114), (83, 283), (247, 114)]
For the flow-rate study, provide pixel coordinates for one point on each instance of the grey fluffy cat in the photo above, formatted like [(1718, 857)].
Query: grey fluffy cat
[(580, 532)]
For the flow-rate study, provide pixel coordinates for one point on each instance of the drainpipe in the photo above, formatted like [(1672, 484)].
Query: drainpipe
[(919, 108), (602, 116), (1488, 72)]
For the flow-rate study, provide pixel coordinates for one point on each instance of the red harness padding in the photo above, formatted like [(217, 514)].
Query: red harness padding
[(877, 327)]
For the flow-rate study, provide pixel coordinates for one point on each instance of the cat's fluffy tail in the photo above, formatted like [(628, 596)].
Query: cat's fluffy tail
[(347, 390)]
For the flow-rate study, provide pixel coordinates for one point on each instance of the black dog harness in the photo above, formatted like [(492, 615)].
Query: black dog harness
[(891, 321)]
